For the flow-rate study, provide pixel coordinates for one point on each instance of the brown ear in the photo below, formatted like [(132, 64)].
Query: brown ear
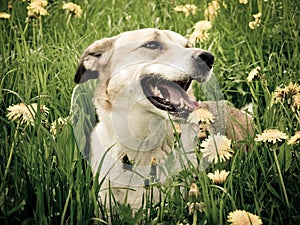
[(89, 65)]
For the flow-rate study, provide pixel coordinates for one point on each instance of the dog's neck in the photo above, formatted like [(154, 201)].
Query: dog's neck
[(139, 134)]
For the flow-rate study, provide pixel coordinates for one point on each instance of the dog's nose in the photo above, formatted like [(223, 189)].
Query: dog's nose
[(204, 56)]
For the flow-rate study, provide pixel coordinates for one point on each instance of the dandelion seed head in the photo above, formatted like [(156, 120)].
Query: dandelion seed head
[(242, 217), (216, 146)]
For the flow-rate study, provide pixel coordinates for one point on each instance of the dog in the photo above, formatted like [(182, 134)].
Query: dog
[(142, 81)]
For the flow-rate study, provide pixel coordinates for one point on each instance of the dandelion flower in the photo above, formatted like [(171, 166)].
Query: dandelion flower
[(198, 206), (25, 113), (215, 147), (194, 191), (57, 125), (211, 10), (243, 1), (177, 128), (36, 8), (294, 139), (289, 94), (296, 100), (218, 177), (200, 32), (4, 15), (204, 129), (256, 72), (256, 21), (73, 8), (242, 217), (201, 115), (271, 135), (203, 118), (279, 94), (257, 16), (186, 9), (153, 167)]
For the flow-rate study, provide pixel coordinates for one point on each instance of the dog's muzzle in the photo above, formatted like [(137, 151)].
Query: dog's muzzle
[(169, 95)]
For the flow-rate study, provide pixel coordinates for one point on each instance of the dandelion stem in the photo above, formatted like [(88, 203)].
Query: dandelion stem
[(195, 215), (12, 150), (280, 178)]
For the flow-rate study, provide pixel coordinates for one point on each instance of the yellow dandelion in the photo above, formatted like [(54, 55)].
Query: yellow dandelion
[(56, 126), (289, 94), (243, 1), (215, 147), (200, 32), (256, 72), (194, 191), (211, 11), (186, 9), (218, 177), (204, 130), (73, 8), (279, 94), (242, 217), (36, 8), (293, 89), (4, 15), (294, 139), (201, 115), (296, 100), (25, 113), (256, 21), (195, 206), (177, 128), (271, 135)]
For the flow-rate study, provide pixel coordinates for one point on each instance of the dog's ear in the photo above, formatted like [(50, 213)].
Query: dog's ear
[(88, 67)]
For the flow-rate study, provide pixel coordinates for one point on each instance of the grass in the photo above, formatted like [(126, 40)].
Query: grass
[(47, 181)]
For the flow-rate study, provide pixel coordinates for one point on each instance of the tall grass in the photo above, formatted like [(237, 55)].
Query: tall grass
[(45, 180)]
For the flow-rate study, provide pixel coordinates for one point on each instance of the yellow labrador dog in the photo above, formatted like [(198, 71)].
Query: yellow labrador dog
[(143, 76)]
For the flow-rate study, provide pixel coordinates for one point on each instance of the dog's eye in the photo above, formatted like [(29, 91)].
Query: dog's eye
[(96, 54), (152, 45)]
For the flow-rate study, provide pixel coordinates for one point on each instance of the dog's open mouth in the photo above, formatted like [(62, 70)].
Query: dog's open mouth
[(169, 95)]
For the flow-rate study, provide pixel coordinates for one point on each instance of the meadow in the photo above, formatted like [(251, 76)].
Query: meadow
[(43, 176)]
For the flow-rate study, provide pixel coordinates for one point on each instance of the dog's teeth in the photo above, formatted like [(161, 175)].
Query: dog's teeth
[(156, 92), (167, 100), (181, 103)]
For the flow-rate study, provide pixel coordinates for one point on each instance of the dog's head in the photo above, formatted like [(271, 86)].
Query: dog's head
[(158, 61)]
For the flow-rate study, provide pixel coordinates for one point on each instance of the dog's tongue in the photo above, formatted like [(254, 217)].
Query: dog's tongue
[(176, 95)]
